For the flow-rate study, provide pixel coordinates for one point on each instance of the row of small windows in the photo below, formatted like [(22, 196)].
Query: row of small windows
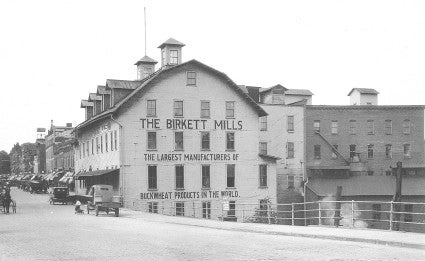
[(369, 153), (290, 127), (179, 207), (100, 144), (370, 127), (178, 109), (205, 176), (179, 140)]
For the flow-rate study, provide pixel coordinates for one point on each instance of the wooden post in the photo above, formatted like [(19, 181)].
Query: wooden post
[(391, 215), (293, 214), (320, 214), (193, 207), (243, 213), (352, 213)]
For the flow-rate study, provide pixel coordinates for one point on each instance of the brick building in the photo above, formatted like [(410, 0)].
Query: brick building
[(178, 140), (357, 146), (55, 136)]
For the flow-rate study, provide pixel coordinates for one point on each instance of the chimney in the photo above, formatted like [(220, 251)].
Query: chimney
[(171, 52), (145, 67)]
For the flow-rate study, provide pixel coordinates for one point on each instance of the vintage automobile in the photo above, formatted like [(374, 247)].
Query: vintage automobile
[(60, 195), (102, 199)]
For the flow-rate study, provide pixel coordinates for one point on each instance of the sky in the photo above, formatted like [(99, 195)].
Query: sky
[(53, 53)]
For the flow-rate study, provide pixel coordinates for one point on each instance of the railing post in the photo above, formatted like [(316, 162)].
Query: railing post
[(352, 213), (243, 213), (320, 214), (268, 212), (222, 212), (293, 214), (391, 215)]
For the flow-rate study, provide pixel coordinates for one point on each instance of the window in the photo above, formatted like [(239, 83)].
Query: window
[(92, 146), (179, 208), (407, 216), (153, 207), (151, 140), (352, 150), (263, 148), (179, 176), (112, 141), (88, 148), (205, 140), (230, 140), (178, 108), (106, 142), (230, 109), (376, 213), (152, 177), (263, 123), (406, 150), (115, 140), (317, 152), (334, 156), (370, 173), (290, 123), (101, 143), (263, 175), (205, 176), (388, 151), (191, 78), (205, 109), (206, 209), (178, 140), (316, 125), (291, 181), (370, 151), (174, 56), (80, 151), (388, 127), (370, 127), (232, 209), (290, 150), (334, 127), (151, 108), (388, 173), (406, 127), (352, 127), (230, 175), (163, 58), (97, 145)]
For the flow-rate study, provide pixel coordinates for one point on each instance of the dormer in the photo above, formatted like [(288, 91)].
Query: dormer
[(97, 101), (106, 96), (88, 106), (273, 95), (145, 67), (363, 96), (171, 52)]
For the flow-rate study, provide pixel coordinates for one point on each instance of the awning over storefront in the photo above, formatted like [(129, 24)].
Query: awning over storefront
[(96, 173), (67, 178)]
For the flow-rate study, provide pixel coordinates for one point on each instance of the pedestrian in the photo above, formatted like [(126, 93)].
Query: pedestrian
[(77, 207)]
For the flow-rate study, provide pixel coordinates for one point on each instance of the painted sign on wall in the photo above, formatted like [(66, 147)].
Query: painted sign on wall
[(190, 124), (189, 195)]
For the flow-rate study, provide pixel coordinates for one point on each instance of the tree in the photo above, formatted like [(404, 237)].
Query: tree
[(4, 162), (15, 159)]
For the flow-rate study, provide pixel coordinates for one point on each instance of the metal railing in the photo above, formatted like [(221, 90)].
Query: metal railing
[(406, 216)]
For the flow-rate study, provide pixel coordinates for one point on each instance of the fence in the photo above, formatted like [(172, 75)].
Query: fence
[(406, 216)]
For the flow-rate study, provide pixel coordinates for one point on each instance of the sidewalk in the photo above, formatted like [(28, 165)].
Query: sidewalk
[(375, 236)]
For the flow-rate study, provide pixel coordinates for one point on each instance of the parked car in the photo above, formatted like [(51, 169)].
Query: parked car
[(103, 199), (60, 195)]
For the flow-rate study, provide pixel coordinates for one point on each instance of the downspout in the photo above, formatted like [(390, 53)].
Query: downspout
[(120, 155), (304, 168)]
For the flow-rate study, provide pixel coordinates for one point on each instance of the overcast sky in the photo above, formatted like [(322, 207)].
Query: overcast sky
[(53, 53)]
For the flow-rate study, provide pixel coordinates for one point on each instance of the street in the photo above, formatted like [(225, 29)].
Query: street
[(39, 231)]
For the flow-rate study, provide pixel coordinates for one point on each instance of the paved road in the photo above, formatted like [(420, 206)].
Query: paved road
[(40, 231)]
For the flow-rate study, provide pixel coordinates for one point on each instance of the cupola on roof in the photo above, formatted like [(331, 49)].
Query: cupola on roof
[(171, 41), (146, 59)]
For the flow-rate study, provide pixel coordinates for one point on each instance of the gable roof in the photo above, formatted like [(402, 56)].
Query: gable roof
[(171, 41), (144, 84), (271, 88), (102, 90), (303, 92), (123, 84), (94, 97), (363, 91), (86, 103)]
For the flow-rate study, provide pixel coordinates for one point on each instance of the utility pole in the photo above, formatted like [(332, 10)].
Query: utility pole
[(397, 196)]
